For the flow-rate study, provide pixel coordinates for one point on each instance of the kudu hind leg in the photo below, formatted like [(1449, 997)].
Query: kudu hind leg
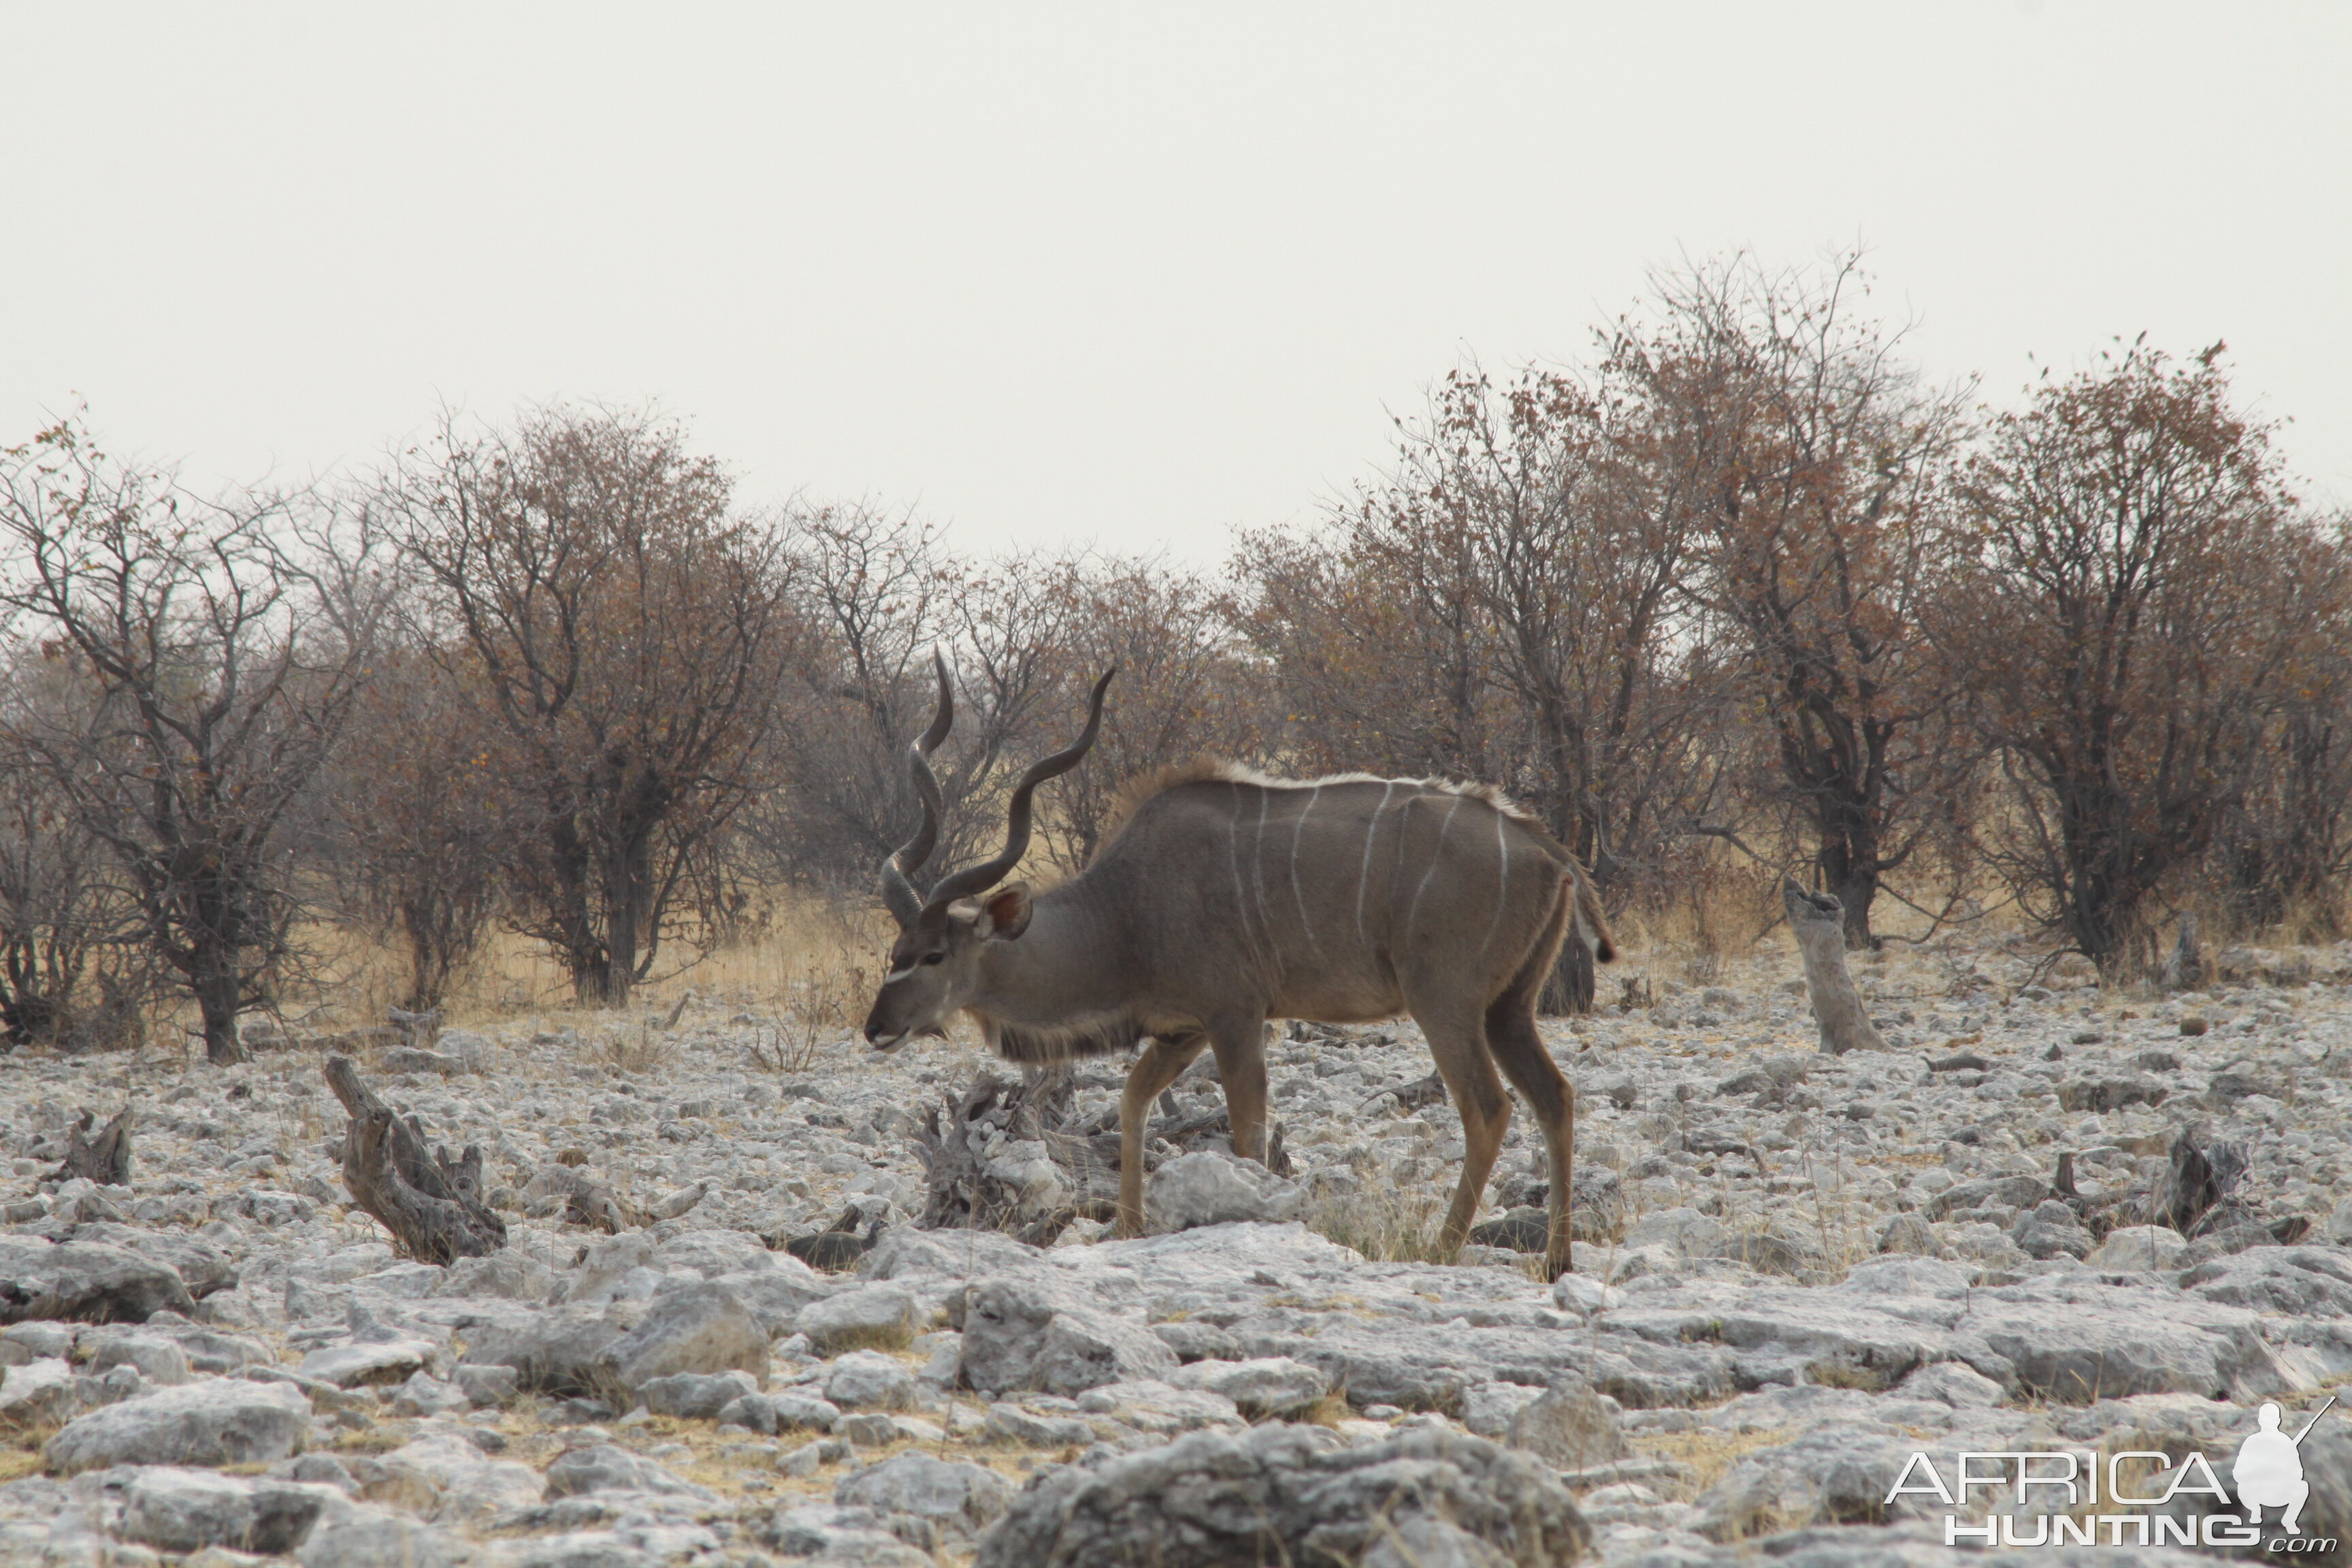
[(1551, 1101), (1459, 1047), (1518, 1049), (1161, 1063)]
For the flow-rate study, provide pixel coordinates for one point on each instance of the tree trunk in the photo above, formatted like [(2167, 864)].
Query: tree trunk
[(598, 983), (217, 995), (2185, 970), (1853, 892), (1818, 922), (1848, 859)]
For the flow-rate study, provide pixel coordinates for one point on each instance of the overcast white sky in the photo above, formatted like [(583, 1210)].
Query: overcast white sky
[(1103, 272)]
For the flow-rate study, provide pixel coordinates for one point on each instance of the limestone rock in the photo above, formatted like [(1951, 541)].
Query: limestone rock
[(2138, 1246), (85, 1281), (203, 1268), (178, 1510), (485, 1385), (37, 1393), (1208, 1187), (785, 1411), (1909, 1232), (372, 1539), (1150, 1406), (2293, 1283), (2051, 1229), (1269, 1386), (962, 1499), (868, 1380), (390, 1361), (560, 1350), (1281, 1494), (701, 1328), (1015, 1337), (830, 1533), (880, 1317), (215, 1421), (606, 1467), (1570, 1428), (1197, 1342), (1488, 1408), (695, 1395)]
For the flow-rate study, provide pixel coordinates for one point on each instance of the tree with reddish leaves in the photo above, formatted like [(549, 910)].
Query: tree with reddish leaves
[(1817, 470), (2119, 625)]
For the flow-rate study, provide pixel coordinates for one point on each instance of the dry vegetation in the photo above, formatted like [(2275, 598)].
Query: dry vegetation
[(545, 712)]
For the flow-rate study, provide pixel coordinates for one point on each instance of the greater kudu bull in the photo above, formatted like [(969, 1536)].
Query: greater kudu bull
[(1222, 899)]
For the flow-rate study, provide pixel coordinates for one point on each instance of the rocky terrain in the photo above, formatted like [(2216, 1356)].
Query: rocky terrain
[(1794, 1270)]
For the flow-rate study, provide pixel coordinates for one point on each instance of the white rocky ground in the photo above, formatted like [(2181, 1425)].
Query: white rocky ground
[(1806, 1268)]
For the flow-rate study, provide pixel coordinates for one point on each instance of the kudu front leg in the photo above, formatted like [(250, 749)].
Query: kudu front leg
[(1240, 1045), (1161, 1063)]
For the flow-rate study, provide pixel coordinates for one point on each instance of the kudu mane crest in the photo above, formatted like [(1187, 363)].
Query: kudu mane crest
[(1140, 790)]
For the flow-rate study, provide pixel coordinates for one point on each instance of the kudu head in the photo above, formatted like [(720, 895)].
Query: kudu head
[(935, 962)]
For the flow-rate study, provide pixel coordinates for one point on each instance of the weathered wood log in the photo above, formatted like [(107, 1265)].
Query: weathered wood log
[(589, 1201), (1818, 922), (836, 1249), (432, 1204), (422, 1029), (2199, 1192), (105, 1159), (2185, 969)]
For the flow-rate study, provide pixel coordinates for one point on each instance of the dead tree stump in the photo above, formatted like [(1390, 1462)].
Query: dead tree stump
[(432, 1204), (105, 1159), (1819, 922), (2199, 1192), (965, 1192), (2185, 969), (593, 1203)]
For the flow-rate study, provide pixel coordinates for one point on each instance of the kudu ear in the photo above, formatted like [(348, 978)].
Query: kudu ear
[(1006, 912)]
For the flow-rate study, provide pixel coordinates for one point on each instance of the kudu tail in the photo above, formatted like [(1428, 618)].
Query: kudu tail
[(1588, 910)]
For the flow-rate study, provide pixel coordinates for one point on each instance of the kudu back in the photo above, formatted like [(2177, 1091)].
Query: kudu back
[(1222, 899)]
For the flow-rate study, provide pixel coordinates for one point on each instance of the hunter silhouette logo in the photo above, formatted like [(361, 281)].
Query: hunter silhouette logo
[(2270, 1468), (2069, 1499)]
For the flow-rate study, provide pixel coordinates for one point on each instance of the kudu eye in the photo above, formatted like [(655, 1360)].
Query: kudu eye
[(934, 958)]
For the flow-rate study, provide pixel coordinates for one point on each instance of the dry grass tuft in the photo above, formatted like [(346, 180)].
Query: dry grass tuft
[(1388, 1224), (20, 1449), (1328, 1410), (1706, 1453)]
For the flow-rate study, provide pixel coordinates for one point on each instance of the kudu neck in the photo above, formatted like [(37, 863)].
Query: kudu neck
[(1063, 966)]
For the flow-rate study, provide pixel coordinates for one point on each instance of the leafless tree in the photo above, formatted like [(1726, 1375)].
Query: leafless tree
[(880, 596), (68, 925), (622, 640), (419, 820), (1187, 686), (220, 667), (2284, 848)]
